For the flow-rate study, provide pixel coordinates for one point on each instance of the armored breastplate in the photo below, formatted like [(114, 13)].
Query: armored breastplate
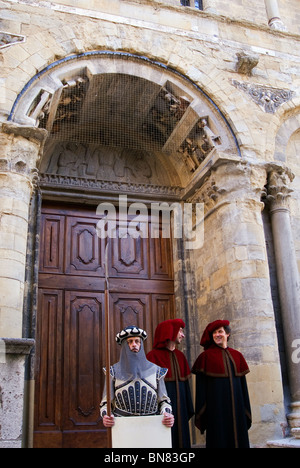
[(135, 398)]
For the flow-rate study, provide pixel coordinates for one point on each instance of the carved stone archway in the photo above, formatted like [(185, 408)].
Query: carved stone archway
[(162, 127), (122, 124), (117, 123)]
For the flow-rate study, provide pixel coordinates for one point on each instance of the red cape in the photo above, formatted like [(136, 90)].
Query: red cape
[(211, 362), (170, 359)]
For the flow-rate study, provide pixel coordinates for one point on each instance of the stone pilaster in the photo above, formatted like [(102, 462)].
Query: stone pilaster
[(232, 282), (288, 281), (209, 6), (19, 154), (12, 390)]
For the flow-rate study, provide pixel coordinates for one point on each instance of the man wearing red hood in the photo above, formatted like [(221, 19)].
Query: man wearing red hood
[(167, 335), (222, 402)]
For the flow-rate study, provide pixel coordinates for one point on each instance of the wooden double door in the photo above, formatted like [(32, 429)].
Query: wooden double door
[(70, 352)]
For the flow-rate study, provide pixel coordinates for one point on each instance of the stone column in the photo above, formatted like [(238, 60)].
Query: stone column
[(288, 282), (233, 282), (209, 6), (275, 21), (19, 153)]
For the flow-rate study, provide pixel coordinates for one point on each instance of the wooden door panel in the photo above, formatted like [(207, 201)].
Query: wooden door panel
[(49, 361), (129, 258), (127, 309), (70, 320), (84, 250), (161, 259), (52, 240), (163, 307), (83, 349)]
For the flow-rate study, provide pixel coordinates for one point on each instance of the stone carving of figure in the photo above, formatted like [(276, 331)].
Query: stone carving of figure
[(198, 145), (71, 161)]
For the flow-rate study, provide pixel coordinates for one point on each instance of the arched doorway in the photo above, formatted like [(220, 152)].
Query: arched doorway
[(117, 125)]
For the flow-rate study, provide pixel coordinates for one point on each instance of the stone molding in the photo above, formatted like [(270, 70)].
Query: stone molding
[(18, 345), (48, 181)]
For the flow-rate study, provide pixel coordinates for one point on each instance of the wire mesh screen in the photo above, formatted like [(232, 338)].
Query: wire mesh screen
[(117, 110)]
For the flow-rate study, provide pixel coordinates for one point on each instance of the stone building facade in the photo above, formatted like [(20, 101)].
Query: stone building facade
[(186, 103)]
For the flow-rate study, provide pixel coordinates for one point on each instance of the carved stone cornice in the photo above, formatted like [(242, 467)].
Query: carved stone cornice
[(51, 181), (267, 98), (21, 346), (38, 135)]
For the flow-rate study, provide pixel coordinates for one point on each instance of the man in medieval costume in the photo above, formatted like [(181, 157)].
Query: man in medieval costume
[(168, 335), (137, 385), (222, 400)]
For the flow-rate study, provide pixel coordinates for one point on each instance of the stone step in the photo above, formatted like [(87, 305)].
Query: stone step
[(284, 443)]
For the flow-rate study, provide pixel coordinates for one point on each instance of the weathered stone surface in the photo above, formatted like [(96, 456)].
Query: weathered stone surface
[(230, 276)]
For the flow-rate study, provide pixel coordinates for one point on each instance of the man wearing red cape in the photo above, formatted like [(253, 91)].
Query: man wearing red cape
[(167, 335), (222, 402)]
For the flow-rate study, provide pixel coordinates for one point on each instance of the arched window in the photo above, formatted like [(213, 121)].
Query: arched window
[(193, 3), (199, 4)]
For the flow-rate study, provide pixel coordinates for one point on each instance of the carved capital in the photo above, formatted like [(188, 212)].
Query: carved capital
[(232, 181), (278, 187), (21, 147), (209, 194)]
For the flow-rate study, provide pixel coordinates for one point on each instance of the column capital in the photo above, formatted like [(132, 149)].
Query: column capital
[(22, 147), (278, 189), (228, 179)]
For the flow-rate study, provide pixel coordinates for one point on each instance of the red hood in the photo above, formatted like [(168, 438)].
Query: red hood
[(165, 331)]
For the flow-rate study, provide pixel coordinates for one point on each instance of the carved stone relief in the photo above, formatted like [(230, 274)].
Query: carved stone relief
[(8, 39), (106, 112), (155, 126), (40, 108), (278, 189), (199, 144), (167, 111), (78, 160), (246, 63), (20, 150), (269, 99)]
